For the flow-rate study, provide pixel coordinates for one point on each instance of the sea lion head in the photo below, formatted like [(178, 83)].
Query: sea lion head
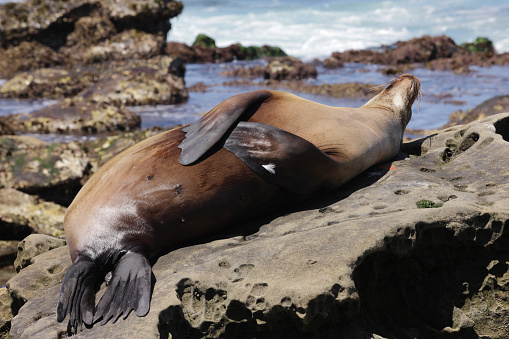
[(398, 97)]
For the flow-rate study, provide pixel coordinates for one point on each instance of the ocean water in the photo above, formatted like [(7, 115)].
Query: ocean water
[(314, 29)]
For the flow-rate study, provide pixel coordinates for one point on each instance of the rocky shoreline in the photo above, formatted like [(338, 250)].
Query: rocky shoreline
[(98, 58)]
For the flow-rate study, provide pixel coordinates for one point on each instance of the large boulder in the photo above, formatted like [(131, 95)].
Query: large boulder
[(42, 33), (50, 22), (415, 248)]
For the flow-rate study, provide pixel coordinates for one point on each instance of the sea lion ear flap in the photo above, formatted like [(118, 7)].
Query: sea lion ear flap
[(206, 132), (283, 158)]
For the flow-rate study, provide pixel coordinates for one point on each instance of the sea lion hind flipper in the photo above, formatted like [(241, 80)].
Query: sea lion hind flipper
[(129, 288), (77, 293), (206, 132), (283, 158)]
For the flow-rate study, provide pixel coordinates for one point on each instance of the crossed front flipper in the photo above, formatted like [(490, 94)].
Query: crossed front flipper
[(129, 288), (278, 156)]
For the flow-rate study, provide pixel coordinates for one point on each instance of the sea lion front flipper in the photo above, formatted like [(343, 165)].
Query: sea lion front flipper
[(206, 132), (283, 158), (129, 288)]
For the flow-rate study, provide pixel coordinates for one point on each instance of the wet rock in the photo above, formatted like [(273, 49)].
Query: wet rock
[(32, 246), (480, 44), (368, 260), (22, 214), (286, 68), (26, 56), (74, 116), (204, 50), (438, 52)]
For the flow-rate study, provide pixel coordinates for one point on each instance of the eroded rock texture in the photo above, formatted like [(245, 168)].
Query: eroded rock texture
[(415, 248)]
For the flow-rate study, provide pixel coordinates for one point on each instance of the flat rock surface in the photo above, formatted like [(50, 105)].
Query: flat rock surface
[(415, 248)]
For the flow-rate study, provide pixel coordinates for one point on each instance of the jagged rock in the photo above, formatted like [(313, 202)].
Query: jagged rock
[(439, 52), (204, 50), (163, 74), (138, 86), (27, 55), (415, 248), (32, 246), (50, 22), (22, 214), (286, 68)]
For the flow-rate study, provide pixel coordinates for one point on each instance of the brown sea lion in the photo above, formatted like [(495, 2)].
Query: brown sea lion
[(251, 154)]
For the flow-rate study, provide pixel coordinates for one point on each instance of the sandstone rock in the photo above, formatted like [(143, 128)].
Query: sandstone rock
[(22, 214), (32, 246), (415, 248)]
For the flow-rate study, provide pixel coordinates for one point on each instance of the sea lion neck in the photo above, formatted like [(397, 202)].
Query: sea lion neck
[(398, 97)]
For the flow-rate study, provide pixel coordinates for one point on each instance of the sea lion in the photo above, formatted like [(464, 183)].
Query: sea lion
[(251, 154)]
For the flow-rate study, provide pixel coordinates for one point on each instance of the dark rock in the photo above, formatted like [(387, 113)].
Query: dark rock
[(363, 261), (207, 52), (439, 52), (204, 41), (50, 22), (286, 68), (483, 45)]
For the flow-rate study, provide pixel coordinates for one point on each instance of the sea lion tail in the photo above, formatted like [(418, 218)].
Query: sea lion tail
[(130, 288), (77, 294)]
